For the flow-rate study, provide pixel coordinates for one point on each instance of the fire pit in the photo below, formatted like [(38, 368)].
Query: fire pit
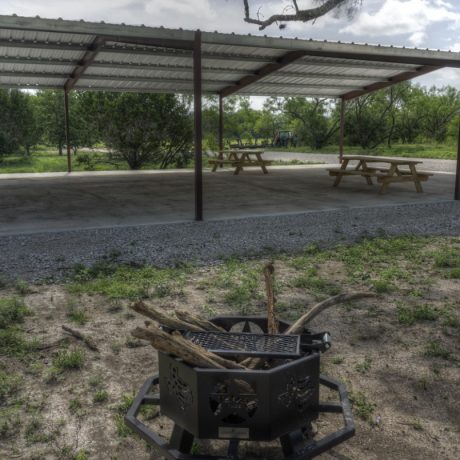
[(251, 405)]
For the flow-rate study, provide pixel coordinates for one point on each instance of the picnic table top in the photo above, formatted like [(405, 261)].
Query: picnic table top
[(373, 159), (241, 151)]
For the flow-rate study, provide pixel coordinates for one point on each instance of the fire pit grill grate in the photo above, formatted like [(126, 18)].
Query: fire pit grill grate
[(242, 343)]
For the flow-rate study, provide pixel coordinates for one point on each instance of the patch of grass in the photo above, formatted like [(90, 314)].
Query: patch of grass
[(362, 406), (35, 432), (121, 409), (10, 422), (12, 311), (101, 396), (69, 360), (96, 381), (9, 384), (123, 430), (454, 274), (12, 343), (382, 286), (22, 287), (125, 282), (311, 281), (74, 405), (408, 315), (77, 316), (447, 258), (338, 359), (365, 366), (437, 350)]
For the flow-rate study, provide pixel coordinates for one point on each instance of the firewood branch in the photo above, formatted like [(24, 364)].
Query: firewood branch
[(304, 15), (162, 318)]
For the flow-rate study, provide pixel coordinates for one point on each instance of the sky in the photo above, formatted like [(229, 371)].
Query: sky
[(433, 24)]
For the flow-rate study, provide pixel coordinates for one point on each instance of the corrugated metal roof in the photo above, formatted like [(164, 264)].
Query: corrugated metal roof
[(45, 53)]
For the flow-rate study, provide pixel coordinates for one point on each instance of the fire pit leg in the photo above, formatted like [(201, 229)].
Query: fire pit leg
[(181, 440), (290, 441)]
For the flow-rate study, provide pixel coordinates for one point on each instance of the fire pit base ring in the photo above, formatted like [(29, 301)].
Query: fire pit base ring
[(294, 444)]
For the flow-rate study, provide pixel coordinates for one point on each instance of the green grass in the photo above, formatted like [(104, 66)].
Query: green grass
[(449, 258), (441, 151), (12, 311), (364, 366), (362, 406), (69, 360), (77, 316), (124, 282), (10, 383), (437, 350), (12, 343), (311, 281), (408, 315), (101, 396), (10, 422)]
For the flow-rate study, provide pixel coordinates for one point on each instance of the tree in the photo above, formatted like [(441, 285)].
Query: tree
[(148, 127), (316, 120), (294, 13), (19, 128)]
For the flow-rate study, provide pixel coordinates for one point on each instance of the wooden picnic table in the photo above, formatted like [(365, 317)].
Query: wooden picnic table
[(385, 175), (239, 158)]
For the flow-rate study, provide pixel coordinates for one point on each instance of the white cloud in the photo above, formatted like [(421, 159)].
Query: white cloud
[(455, 47), (404, 17)]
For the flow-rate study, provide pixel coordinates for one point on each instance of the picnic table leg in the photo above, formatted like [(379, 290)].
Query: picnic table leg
[(418, 185), (386, 181), (262, 165), (339, 176), (364, 168)]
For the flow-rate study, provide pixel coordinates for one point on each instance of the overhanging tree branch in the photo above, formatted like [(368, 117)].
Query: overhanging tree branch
[(304, 15)]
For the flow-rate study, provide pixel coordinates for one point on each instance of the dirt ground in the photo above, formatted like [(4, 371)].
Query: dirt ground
[(398, 353)]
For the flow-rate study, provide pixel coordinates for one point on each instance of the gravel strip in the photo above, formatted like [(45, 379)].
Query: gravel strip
[(428, 163), (53, 256)]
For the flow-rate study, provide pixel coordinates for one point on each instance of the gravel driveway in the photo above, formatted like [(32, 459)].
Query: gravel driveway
[(47, 256)]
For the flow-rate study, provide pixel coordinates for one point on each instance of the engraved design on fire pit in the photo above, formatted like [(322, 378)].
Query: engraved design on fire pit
[(298, 393), (178, 388), (233, 401), (246, 326)]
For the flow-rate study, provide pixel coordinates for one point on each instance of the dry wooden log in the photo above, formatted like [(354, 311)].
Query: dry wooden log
[(166, 320), (272, 320), (166, 343), (198, 321), (78, 335), (300, 324), (178, 346)]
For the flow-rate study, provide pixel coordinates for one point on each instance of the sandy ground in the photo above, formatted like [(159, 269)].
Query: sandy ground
[(414, 398)]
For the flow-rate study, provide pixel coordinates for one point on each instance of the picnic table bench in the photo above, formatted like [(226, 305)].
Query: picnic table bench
[(240, 158), (385, 175)]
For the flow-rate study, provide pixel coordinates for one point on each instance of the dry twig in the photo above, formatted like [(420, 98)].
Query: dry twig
[(78, 335)]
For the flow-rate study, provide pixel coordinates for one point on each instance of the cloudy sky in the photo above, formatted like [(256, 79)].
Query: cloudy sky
[(417, 23)]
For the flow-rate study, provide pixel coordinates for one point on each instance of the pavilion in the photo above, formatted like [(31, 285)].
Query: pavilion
[(57, 54)]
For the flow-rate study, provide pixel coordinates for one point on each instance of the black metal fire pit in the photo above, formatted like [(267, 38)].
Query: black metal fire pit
[(251, 405)]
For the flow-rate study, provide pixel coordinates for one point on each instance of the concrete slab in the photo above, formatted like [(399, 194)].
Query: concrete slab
[(92, 200)]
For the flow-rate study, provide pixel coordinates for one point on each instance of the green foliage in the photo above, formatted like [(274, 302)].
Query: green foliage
[(142, 127), (9, 384), (121, 281), (77, 316), (19, 130), (69, 360), (101, 396), (437, 350), (362, 406), (315, 120), (364, 366), (447, 258), (409, 315), (12, 311)]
